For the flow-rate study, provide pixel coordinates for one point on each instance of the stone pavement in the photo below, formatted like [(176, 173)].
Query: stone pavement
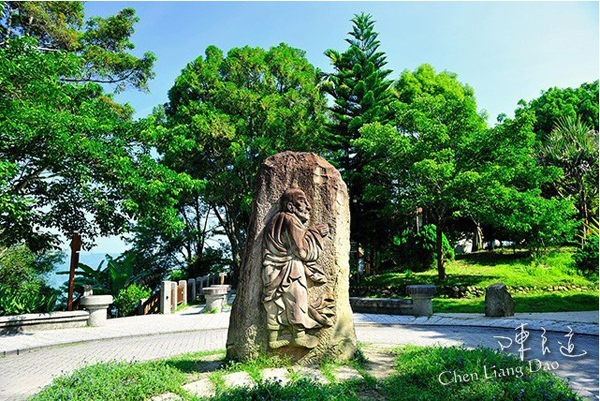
[(202, 386), (190, 319), (580, 322)]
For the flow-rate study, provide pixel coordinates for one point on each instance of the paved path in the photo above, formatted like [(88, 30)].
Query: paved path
[(23, 375), (190, 320)]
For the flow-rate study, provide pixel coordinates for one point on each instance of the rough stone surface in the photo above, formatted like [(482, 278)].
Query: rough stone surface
[(276, 374), (201, 388), (327, 197), (344, 373), (498, 302), (381, 364), (311, 373), (238, 379)]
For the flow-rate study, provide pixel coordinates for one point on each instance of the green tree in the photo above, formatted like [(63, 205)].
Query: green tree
[(101, 45), (440, 156), (573, 146), (226, 114), (361, 95), (70, 157), (555, 104)]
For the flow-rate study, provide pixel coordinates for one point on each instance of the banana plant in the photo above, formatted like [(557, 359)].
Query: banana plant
[(110, 277)]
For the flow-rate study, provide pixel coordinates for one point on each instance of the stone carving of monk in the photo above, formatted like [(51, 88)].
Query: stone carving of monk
[(291, 249)]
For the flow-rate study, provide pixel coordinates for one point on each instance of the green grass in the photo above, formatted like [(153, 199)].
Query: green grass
[(485, 268), (515, 270), (416, 378), (560, 301), (120, 381)]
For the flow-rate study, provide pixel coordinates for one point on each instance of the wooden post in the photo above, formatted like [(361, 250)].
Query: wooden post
[(75, 248)]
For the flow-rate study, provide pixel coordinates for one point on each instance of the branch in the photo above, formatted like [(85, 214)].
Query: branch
[(110, 80)]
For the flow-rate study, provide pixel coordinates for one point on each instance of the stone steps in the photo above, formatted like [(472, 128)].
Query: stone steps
[(380, 366)]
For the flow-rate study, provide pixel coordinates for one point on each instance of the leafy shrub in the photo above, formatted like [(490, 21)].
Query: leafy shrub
[(32, 298), (417, 249), (586, 258), (128, 299), (22, 285), (177, 275)]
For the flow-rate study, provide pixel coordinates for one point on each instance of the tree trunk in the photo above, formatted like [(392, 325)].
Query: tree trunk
[(440, 251)]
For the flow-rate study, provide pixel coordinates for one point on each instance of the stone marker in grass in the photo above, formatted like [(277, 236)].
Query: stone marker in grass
[(292, 296), (498, 302)]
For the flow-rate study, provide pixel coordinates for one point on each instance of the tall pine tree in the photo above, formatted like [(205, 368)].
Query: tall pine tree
[(362, 95)]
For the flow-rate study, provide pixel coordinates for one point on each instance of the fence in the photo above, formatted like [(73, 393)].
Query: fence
[(173, 294)]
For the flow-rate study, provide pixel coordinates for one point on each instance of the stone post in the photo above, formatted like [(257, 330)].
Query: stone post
[(173, 296), (221, 278), (498, 302), (198, 286), (421, 296), (97, 305), (191, 286), (184, 284), (165, 297)]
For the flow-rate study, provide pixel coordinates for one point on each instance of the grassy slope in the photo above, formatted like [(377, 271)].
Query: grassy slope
[(484, 268), (416, 378)]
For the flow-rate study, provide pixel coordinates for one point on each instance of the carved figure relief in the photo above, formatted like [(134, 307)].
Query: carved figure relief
[(290, 261)]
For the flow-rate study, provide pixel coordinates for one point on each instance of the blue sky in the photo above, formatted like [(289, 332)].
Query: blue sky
[(506, 51)]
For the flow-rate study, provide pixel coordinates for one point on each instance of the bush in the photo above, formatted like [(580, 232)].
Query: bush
[(417, 250), (586, 258), (177, 275), (22, 285), (29, 298), (127, 300)]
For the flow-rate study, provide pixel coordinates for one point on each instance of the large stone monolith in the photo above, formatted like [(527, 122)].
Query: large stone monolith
[(292, 294)]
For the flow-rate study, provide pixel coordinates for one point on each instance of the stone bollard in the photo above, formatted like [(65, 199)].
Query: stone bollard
[(191, 287), (421, 296), (227, 287), (184, 284), (165, 297), (97, 305), (498, 302), (173, 296), (214, 298), (198, 286)]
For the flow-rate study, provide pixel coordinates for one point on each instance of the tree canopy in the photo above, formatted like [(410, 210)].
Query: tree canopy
[(69, 155), (227, 113)]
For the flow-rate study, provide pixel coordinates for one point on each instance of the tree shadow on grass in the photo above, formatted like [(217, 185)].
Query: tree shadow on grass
[(451, 280), (495, 258), (201, 364)]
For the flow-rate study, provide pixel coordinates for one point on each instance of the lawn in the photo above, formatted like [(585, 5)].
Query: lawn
[(416, 377), (485, 268), (560, 301), (547, 284)]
